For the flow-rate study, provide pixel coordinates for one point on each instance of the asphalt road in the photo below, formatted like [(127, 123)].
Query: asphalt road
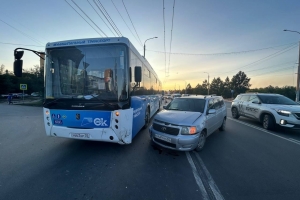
[(242, 162)]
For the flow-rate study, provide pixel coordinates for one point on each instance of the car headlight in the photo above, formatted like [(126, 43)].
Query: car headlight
[(188, 130), (283, 113)]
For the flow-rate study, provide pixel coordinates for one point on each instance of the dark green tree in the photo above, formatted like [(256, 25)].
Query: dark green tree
[(240, 83), (189, 89), (216, 86), (226, 93)]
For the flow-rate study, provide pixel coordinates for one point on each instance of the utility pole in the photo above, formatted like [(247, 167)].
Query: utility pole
[(298, 72), (297, 87), (207, 83), (145, 45)]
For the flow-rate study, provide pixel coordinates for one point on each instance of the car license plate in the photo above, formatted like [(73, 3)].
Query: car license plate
[(80, 135), (163, 138)]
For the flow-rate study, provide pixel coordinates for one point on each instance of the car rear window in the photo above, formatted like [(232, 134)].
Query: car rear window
[(184, 104)]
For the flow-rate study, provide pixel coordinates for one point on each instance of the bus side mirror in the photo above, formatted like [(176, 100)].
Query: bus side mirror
[(18, 63), (138, 74)]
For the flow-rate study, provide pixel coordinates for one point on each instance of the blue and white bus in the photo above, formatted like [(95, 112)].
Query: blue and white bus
[(98, 89)]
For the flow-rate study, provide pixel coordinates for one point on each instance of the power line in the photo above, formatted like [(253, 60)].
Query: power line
[(89, 18), (33, 32), (132, 22), (270, 72), (279, 65), (20, 44), (35, 40), (126, 23), (224, 53), (265, 58), (83, 18), (108, 18), (171, 36), (101, 18)]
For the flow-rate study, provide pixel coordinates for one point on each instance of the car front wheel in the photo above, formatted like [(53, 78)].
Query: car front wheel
[(222, 127), (235, 113), (268, 122), (201, 142)]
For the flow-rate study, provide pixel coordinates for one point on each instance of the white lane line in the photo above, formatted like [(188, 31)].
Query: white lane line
[(295, 140), (263, 130), (197, 178), (211, 181)]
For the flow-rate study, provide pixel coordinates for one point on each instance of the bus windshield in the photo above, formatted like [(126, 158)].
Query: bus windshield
[(87, 73)]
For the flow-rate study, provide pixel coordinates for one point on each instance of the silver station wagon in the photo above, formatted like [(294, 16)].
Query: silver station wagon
[(185, 122)]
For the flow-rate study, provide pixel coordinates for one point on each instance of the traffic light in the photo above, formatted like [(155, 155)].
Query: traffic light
[(18, 63)]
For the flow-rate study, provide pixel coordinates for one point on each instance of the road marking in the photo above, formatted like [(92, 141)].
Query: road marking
[(197, 178), (211, 181), (255, 127), (295, 140)]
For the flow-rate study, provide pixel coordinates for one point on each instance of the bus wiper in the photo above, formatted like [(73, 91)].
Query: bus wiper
[(51, 102), (102, 101)]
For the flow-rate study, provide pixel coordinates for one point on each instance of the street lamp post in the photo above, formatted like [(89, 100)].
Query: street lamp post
[(208, 82), (298, 78), (145, 45)]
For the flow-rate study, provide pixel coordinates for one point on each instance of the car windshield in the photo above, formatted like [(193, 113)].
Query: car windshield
[(281, 100), (184, 104)]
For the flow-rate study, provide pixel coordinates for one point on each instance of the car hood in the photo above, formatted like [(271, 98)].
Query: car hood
[(292, 108), (177, 117)]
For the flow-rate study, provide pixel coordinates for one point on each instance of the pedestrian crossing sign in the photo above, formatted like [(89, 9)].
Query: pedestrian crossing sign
[(23, 86)]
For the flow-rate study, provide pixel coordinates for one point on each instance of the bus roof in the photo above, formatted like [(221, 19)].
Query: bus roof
[(88, 41), (105, 40)]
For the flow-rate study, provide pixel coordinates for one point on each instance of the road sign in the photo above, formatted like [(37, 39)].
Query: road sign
[(23, 86)]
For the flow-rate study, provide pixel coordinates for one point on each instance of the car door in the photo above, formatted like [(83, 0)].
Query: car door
[(210, 118), (252, 107), (242, 104), (223, 109), (218, 117)]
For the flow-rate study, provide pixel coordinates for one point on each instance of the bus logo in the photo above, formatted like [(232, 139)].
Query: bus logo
[(100, 122), (78, 116)]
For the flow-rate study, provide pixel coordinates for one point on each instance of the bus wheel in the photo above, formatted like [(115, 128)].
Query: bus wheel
[(146, 119)]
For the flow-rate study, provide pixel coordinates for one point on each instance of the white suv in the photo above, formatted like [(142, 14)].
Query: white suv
[(269, 109)]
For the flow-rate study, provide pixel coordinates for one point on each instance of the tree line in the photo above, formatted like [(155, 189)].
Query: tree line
[(229, 88), (239, 83), (34, 78)]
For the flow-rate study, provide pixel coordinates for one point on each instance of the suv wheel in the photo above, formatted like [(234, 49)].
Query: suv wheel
[(268, 122), (201, 142), (222, 127), (235, 113)]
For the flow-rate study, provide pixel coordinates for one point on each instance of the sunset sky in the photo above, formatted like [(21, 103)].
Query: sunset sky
[(216, 37)]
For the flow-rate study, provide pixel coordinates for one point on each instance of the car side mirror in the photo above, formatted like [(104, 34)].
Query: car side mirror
[(211, 111)]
